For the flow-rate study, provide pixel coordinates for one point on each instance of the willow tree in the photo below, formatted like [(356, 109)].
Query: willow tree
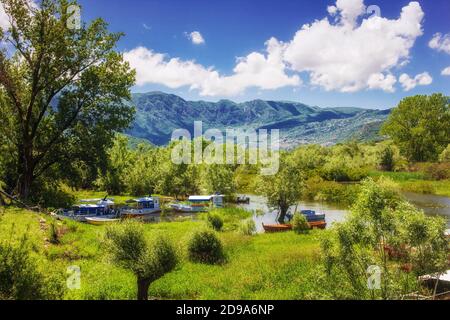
[(419, 125), (284, 189), (64, 91)]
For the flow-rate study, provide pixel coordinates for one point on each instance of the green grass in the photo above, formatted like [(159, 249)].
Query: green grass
[(265, 266), (416, 182)]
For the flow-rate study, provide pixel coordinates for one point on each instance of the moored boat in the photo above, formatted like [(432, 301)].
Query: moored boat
[(198, 204), (276, 227), (98, 221), (269, 228), (313, 216), (242, 199), (142, 208), (317, 224), (87, 209)]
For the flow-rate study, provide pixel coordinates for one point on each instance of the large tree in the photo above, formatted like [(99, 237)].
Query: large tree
[(64, 91), (284, 189), (420, 126)]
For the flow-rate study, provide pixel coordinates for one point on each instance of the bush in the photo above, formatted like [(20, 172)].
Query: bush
[(215, 221), (247, 227), (438, 171), (387, 162), (49, 195), (300, 224), (53, 236), (20, 278), (129, 249), (445, 155), (205, 247)]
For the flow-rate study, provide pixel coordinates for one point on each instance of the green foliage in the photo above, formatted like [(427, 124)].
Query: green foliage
[(215, 221), (419, 126), (284, 188), (300, 224), (65, 92), (205, 247), (50, 195), (381, 224), (438, 171), (318, 189), (247, 227), (20, 278), (445, 155), (129, 249), (387, 162), (113, 180), (53, 233), (219, 178)]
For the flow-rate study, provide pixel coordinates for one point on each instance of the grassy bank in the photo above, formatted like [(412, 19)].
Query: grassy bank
[(265, 266), (416, 182)]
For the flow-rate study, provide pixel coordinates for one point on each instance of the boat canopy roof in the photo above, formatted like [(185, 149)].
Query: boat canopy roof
[(145, 199), (90, 206), (442, 277), (98, 201), (200, 198)]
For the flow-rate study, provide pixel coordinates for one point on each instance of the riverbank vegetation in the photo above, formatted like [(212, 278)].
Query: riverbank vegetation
[(303, 265), (65, 96)]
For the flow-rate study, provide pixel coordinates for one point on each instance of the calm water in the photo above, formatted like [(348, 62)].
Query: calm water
[(430, 204)]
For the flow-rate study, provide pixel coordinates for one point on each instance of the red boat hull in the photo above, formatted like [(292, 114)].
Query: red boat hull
[(287, 227)]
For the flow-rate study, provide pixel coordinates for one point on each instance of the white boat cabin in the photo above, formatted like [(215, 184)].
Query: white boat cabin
[(216, 200)]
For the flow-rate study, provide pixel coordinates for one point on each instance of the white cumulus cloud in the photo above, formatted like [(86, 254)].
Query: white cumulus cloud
[(381, 81), (409, 83), (4, 22), (446, 72), (346, 51), (348, 57), (263, 71), (440, 42), (196, 37)]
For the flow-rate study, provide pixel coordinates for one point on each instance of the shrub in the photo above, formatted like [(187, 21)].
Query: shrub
[(247, 227), (445, 155), (50, 195), (215, 221), (53, 231), (387, 162), (129, 249), (205, 247), (438, 171), (20, 278), (300, 224)]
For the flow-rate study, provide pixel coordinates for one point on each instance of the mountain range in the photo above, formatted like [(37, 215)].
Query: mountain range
[(158, 114)]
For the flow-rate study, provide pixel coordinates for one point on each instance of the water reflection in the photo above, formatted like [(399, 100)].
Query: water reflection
[(431, 204), (262, 213)]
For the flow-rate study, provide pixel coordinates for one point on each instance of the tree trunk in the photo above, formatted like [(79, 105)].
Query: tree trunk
[(143, 285), (25, 170), (283, 212)]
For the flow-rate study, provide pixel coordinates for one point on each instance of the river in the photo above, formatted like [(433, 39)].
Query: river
[(431, 204)]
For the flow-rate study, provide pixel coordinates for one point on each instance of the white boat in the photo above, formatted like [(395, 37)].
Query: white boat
[(199, 204), (88, 209), (101, 220), (142, 208)]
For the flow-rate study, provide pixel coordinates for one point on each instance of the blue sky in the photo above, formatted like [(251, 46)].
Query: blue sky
[(232, 29)]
